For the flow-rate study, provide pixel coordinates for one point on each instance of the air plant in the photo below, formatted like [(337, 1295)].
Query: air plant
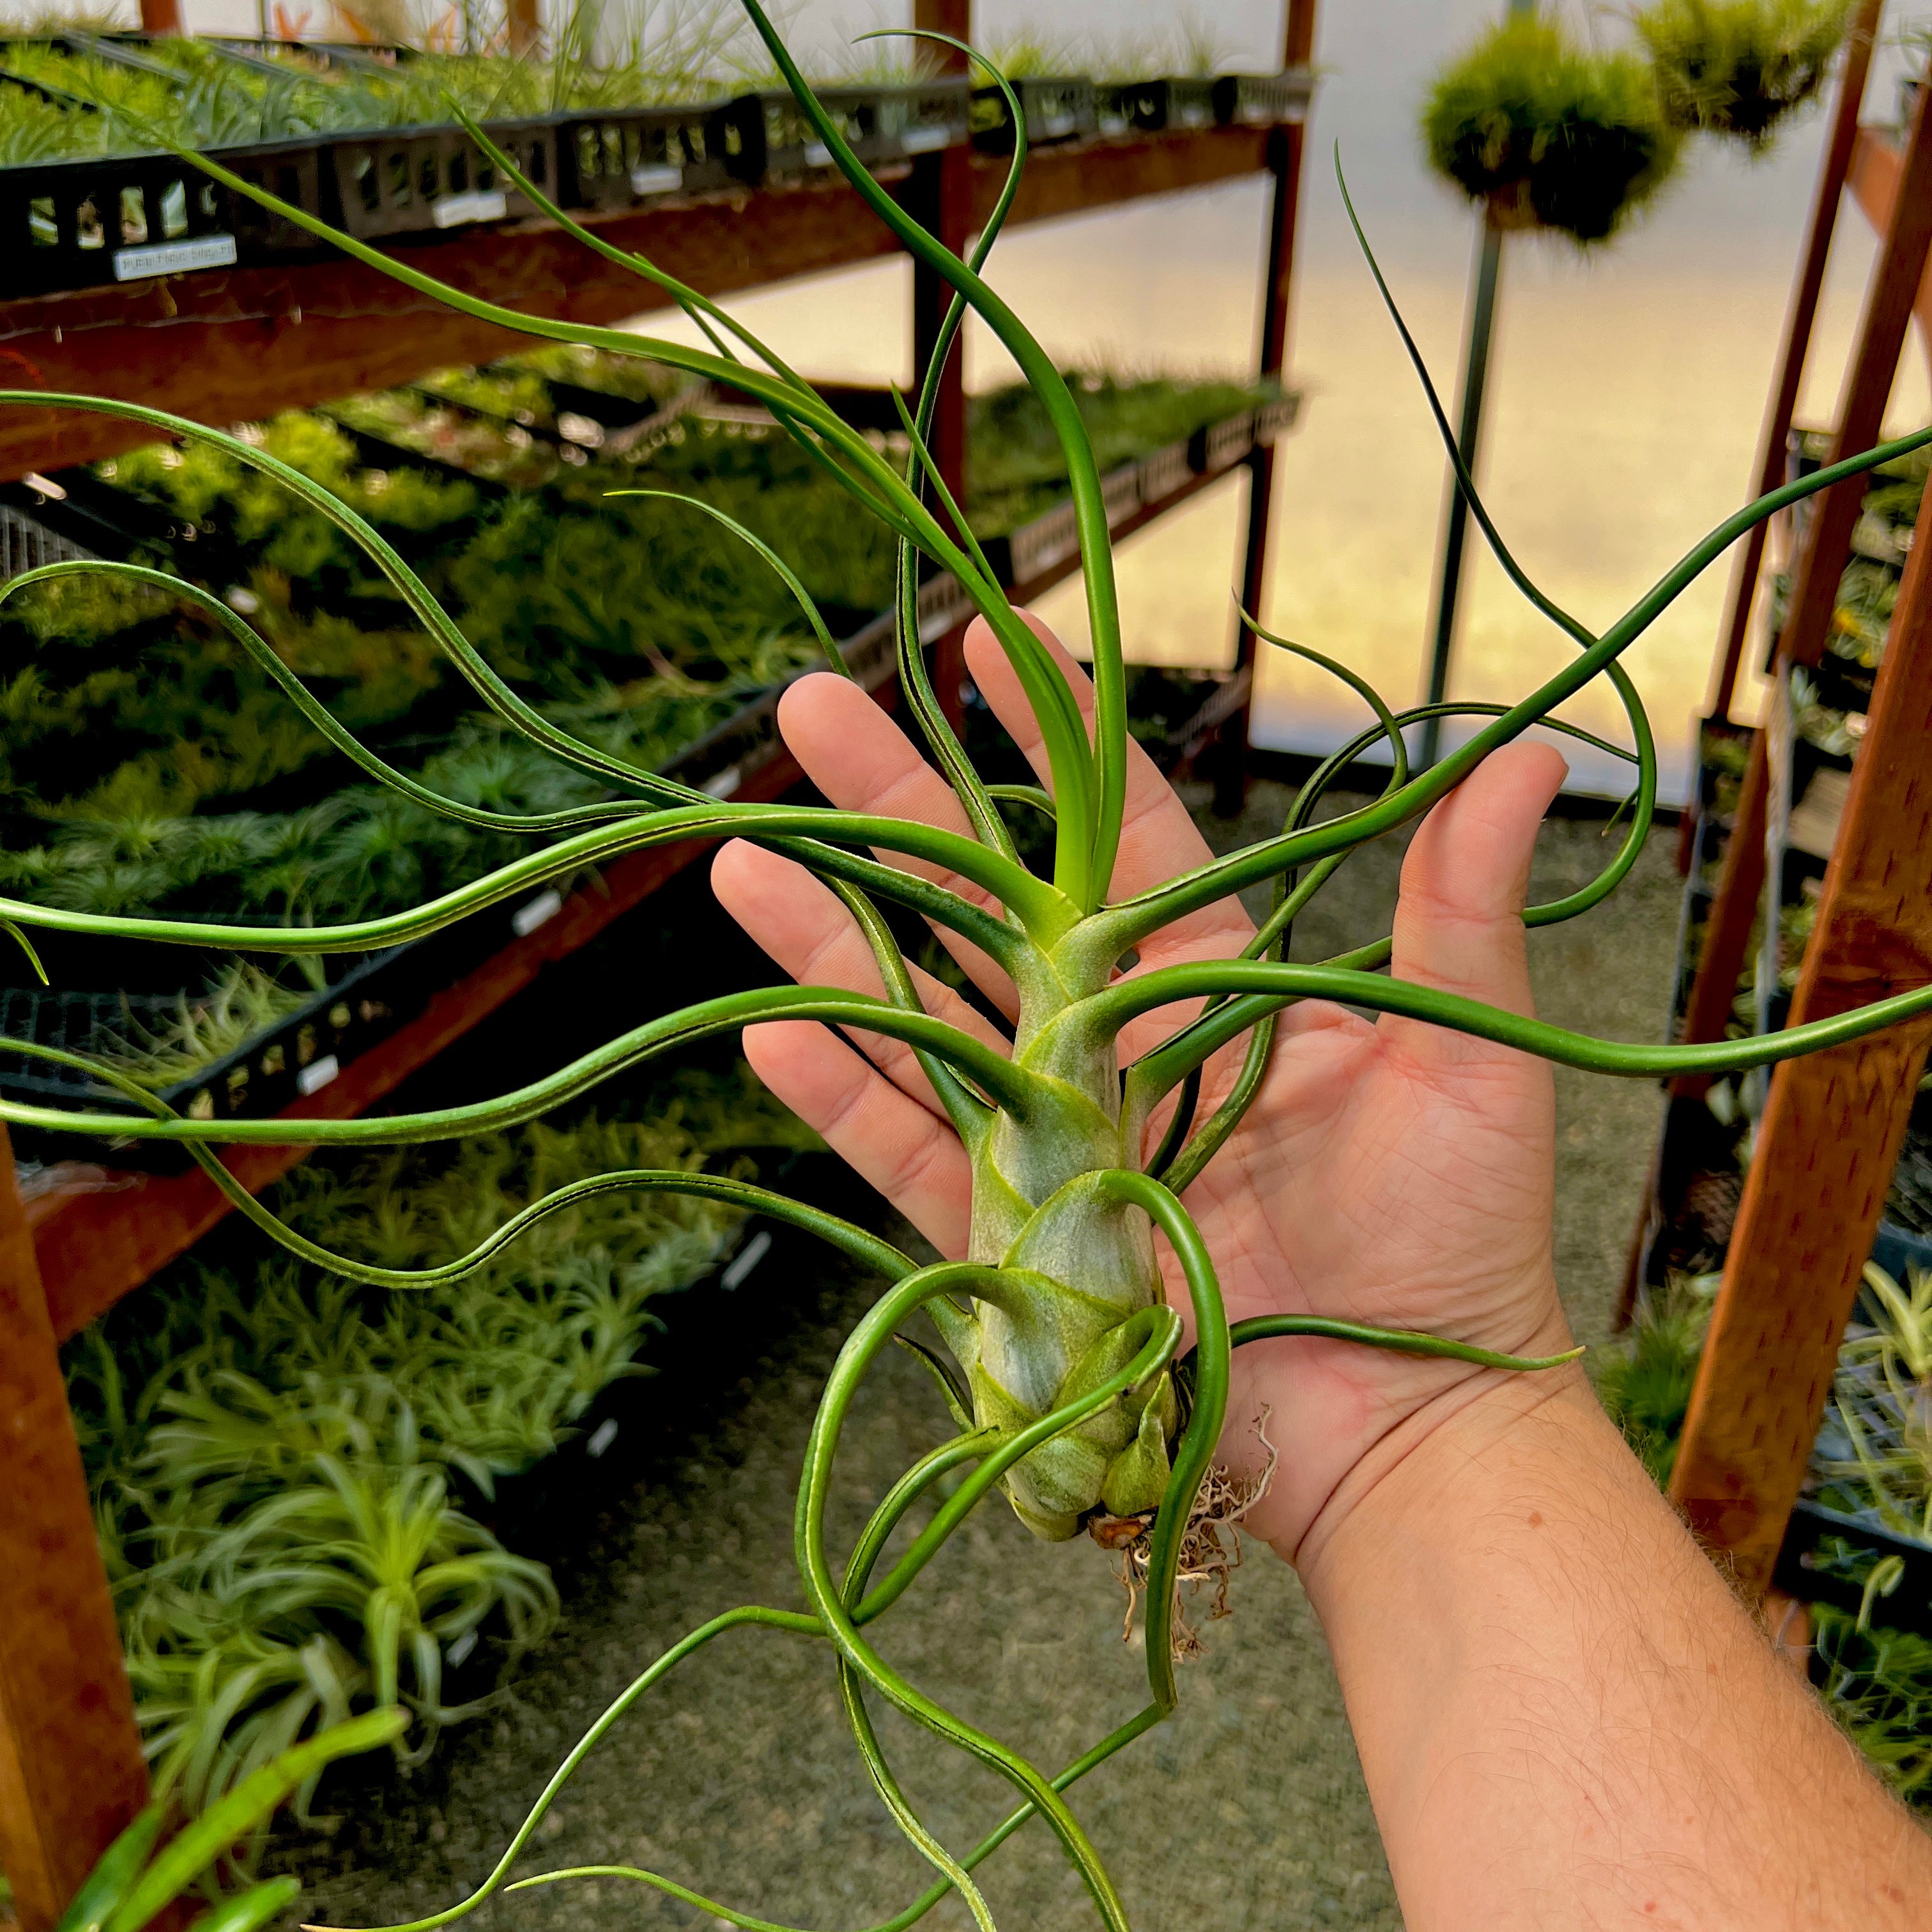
[(1740, 67), (1069, 1387), (1548, 135), (272, 1450)]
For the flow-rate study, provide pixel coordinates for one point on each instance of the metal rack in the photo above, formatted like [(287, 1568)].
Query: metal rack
[(231, 345)]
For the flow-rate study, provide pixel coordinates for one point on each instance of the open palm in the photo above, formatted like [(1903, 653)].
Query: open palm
[(1390, 1173)]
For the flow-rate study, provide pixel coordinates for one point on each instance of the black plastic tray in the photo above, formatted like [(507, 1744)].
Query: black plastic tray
[(621, 156), (882, 125), (1055, 107)]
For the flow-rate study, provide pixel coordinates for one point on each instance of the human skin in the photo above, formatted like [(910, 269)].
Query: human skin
[(1563, 1716)]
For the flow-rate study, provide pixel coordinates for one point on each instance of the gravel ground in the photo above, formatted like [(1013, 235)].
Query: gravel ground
[(1247, 1810)]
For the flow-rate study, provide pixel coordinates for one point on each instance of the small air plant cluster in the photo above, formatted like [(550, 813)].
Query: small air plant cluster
[(280, 1459), (1066, 1382), (1551, 133)]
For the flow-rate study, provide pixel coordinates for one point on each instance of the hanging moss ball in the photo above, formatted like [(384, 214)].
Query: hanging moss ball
[(1739, 67), (1548, 135)]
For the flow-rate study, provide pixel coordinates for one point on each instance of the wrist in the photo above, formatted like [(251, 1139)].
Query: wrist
[(1447, 1457)]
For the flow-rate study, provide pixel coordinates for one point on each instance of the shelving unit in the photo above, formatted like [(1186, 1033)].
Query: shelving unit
[(230, 345), (1831, 1125)]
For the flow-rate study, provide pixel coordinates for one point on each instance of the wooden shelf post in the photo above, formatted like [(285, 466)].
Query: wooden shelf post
[(71, 1772), (942, 199), (1284, 155), (1821, 562), (1800, 317), (1830, 1132)]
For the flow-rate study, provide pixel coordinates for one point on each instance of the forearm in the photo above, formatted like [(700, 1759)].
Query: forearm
[(1565, 1718)]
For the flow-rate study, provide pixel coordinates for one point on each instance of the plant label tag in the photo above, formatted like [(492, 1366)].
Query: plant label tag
[(749, 1255), (536, 912), (481, 204), (163, 258), (722, 784), (925, 140), (314, 1077), (817, 154), (601, 1439), (661, 178)]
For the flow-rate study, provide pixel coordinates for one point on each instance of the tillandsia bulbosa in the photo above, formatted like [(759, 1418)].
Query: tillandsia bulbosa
[(1070, 1386)]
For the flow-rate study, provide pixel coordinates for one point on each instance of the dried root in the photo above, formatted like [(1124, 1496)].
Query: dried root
[(1206, 1557)]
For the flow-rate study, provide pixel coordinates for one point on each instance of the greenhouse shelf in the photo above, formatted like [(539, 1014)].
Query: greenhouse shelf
[(239, 344), (355, 1040)]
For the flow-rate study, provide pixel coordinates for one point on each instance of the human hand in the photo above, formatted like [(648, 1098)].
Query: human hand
[(1389, 1173)]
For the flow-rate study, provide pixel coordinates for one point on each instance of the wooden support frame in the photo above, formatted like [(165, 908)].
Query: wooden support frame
[(1800, 317), (1833, 1123), (1827, 547), (946, 203), (1831, 1133), (237, 346), (71, 1771), (1286, 148)]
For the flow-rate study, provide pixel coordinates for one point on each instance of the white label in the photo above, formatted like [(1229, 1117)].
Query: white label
[(817, 154), (749, 1255), (1056, 127), (601, 1437), (162, 258), (924, 140), (313, 1078), (660, 179), (722, 784), (481, 204), (539, 911), (460, 1649)]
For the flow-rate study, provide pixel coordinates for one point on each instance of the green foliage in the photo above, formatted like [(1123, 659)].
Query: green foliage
[(1878, 1684), (1644, 1377), (271, 1447), (1548, 135), (1740, 67), (632, 622), (1017, 467), (240, 1001), (133, 1883)]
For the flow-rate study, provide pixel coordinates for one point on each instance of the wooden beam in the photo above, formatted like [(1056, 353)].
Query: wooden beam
[(228, 347), (1821, 557), (524, 25), (71, 1772), (1286, 148), (1831, 1132), (1801, 315), (946, 202), (1897, 278), (160, 16), (104, 1232), (1877, 162)]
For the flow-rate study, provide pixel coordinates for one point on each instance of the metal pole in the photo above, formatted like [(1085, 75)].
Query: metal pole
[(1468, 431)]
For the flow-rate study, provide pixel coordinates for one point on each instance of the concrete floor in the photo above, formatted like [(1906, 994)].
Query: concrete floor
[(1247, 1810)]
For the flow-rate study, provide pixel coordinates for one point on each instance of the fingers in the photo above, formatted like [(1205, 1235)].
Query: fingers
[(1459, 921), (861, 761), (913, 1159), (806, 929)]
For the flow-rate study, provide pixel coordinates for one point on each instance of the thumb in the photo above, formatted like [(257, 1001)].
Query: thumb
[(1459, 920)]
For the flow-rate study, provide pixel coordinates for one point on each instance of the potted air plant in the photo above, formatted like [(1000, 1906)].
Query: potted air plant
[(1739, 67), (1546, 135), (1064, 1375)]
